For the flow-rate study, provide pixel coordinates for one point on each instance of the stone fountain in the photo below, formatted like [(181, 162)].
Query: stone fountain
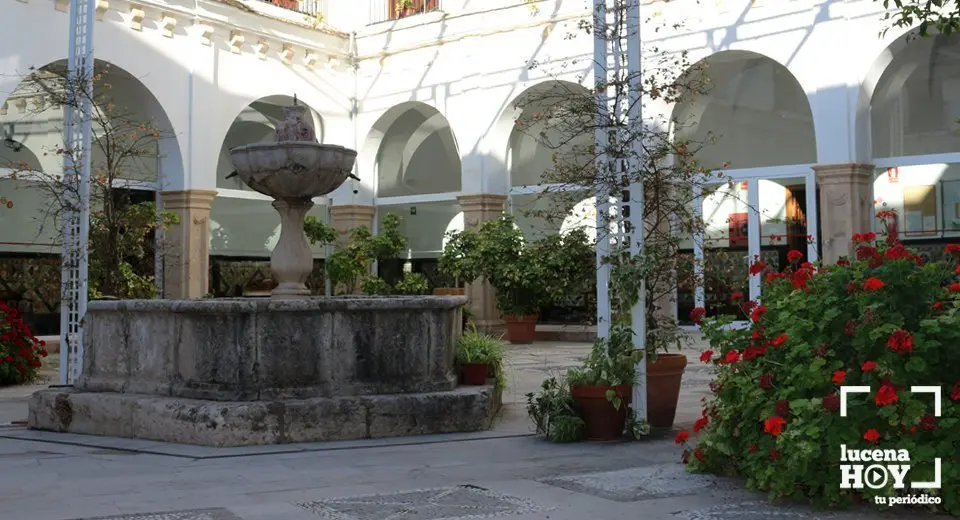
[(287, 369)]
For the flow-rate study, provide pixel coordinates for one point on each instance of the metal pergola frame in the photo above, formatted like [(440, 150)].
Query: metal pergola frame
[(76, 173)]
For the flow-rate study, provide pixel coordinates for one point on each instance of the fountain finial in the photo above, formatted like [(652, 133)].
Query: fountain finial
[(294, 126)]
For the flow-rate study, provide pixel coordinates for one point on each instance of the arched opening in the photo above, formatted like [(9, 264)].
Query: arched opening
[(548, 151), (914, 114), (416, 163), (755, 114), (755, 123), (244, 227), (548, 154), (134, 154)]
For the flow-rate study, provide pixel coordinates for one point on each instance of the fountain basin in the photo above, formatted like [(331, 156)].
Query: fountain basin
[(293, 170), (264, 371)]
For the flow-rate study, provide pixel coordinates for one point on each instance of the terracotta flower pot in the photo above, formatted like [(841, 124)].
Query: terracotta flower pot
[(521, 330), (663, 388), (474, 373), (602, 421)]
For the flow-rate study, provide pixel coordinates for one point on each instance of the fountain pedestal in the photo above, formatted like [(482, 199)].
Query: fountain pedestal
[(292, 259)]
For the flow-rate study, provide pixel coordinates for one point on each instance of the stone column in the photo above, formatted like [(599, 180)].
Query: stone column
[(187, 244), (348, 217), (845, 207), (478, 209)]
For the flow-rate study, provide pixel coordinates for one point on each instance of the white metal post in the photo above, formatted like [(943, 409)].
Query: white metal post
[(76, 224), (753, 234), (636, 201), (699, 296), (603, 197), (813, 251)]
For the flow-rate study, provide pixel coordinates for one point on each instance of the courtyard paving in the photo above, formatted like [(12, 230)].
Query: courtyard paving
[(502, 474)]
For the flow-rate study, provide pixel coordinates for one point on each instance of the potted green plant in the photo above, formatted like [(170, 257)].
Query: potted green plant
[(526, 276), (602, 387), (663, 339), (479, 355)]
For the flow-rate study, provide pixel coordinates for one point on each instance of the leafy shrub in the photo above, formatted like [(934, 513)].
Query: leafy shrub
[(413, 284), (885, 321), (20, 351)]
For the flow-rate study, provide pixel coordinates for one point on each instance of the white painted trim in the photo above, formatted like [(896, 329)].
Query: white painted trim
[(450, 196), (541, 188), (917, 160)]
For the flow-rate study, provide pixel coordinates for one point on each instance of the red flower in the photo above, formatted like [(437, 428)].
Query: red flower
[(955, 392), (900, 342), (737, 296), (774, 454), (706, 356), (937, 307), (757, 267), (698, 454), (794, 255), (732, 356), (843, 262), (868, 366), (766, 382), (952, 249), (872, 435), (697, 314), (873, 284), (780, 340), (758, 313), (954, 287), (700, 424), (753, 448), (839, 376), (850, 328), (681, 437), (753, 352), (886, 395), (774, 425), (831, 402), (782, 407), (928, 423)]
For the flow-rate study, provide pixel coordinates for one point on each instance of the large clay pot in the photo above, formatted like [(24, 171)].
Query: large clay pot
[(663, 388), (474, 373), (602, 421), (521, 330)]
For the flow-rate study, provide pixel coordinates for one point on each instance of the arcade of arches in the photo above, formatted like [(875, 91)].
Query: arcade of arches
[(757, 116)]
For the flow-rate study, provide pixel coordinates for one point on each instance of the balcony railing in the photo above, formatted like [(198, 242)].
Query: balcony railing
[(311, 8), (385, 10)]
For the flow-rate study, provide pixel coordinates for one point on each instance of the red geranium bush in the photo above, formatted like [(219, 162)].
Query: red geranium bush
[(20, 351), (885, 321)]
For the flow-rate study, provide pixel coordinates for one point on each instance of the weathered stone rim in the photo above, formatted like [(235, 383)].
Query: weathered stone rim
[(245, 305)]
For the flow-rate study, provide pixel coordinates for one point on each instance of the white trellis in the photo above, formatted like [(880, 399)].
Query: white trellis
[(610, 69), (76, 177)]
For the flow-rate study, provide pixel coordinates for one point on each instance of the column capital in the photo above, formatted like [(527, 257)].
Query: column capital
[(843, 173), (481, 201), (353, 210), (202, 199)]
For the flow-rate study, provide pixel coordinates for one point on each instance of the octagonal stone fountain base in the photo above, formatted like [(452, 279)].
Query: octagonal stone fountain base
[(247, 372)]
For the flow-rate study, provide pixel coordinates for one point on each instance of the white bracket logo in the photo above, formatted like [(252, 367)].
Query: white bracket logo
[(937, 409)]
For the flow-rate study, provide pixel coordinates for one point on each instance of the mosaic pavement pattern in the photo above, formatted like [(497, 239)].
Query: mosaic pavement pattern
[(635, 484), (193, 514), (449, 503), (751, 511)]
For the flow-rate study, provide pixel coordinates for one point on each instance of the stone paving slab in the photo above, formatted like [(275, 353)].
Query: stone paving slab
[(636, 484), (450, 503), (196, 514)]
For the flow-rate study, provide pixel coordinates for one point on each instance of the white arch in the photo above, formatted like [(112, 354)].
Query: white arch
[(434, 124), (695, 109)]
